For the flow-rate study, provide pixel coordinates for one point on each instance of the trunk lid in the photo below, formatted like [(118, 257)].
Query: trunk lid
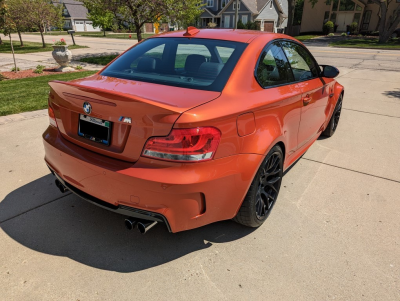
[(153, 110)]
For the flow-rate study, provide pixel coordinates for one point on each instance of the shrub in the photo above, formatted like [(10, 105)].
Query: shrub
[(13, 69), (212, 25), (39, 69), (331, 34), (328, 27), (240, 25), (79, 67), (344, 34), (353, 27)]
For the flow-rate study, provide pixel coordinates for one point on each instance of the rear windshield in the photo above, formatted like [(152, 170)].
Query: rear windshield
[(190, 63)]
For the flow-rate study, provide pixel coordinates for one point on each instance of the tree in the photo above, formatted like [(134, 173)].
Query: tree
[(291, 8), (387, 25), (139, 12), (20, 16), (7, 26), (2, 9), (43, 14), (185, 13), (101, 17)]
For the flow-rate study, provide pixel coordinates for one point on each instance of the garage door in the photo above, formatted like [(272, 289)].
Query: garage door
[(269, 26), (79, 25), (89, 26)]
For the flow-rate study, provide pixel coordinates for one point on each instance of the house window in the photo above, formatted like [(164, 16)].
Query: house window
[(335, 5), (333, 18), (244, 19), (223, 3), (346, 5), (358, 8), (234, 5), (357, 18), (210, 3), (328, 2)]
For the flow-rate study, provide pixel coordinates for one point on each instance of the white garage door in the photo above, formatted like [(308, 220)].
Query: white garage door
[(89, 26), (79, 25)]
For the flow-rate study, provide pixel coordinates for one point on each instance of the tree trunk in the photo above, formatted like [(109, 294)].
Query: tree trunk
[(291, 5), (388, 31), (104, 32), (41, 33), (12, 49), (20, 39), (1, 41), (382, 25), (138, 31)]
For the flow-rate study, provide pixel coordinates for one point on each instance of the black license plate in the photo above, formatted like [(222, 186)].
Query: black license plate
[(95, 129)]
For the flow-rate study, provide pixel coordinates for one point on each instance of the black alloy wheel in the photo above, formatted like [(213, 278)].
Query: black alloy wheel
[(263, 191), (334, 121), (336, 114), (268, 187)]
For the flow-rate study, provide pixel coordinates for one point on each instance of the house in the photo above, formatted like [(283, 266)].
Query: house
[(75, 16), (271, 14), (342, 13)]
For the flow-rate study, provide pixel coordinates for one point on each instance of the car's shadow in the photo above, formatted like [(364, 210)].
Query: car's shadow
[(95, 237)]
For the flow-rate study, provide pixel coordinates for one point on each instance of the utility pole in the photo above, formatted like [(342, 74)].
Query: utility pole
[(236, 13)]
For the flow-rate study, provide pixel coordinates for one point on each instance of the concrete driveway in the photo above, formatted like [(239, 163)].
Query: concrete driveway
[(333, 234)]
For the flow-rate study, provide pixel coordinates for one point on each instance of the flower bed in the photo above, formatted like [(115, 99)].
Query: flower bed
[(30, 73)]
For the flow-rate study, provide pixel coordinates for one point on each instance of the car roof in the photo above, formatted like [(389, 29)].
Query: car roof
[(236, 35)]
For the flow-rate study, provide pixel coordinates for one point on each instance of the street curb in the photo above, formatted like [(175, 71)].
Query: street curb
[(22, 116), (344, 47)]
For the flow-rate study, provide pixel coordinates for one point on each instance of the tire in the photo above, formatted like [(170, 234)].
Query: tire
[(333, 123), (263, 191)]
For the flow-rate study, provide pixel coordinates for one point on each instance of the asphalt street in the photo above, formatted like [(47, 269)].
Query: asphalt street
[(334, 233)]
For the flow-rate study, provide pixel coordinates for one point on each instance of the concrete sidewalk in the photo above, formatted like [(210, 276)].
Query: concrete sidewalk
[(97, 47)]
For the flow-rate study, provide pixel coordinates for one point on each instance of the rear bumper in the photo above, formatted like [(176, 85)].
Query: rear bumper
[(185, 196)]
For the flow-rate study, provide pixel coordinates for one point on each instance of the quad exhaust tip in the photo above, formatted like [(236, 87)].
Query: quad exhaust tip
[(143, 227)]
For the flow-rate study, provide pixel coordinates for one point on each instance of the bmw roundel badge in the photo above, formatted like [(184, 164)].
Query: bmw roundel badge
[(87, 107)]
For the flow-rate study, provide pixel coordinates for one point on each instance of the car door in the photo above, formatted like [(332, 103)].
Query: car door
[(314, 92), (273, 73)]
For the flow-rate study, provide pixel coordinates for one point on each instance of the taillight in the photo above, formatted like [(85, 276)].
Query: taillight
[(184, 145), (52, 117)]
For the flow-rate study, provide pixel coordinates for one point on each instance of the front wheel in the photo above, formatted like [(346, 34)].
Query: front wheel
[(333, 123), (263, 191)]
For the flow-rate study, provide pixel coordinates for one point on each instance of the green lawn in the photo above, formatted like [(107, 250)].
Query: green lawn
[(29, 94), (306, 37), (50, 33), (366, 43), (104, 60), (100, 60), (29, 47), (99, 34)]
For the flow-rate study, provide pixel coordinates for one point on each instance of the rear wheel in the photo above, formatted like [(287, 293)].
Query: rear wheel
[(333, 123), (263, 191)]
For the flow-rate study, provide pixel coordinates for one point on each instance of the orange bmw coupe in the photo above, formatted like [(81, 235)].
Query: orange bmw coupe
[(191, 127)]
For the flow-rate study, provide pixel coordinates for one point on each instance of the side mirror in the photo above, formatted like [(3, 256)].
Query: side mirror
[(329, 71)]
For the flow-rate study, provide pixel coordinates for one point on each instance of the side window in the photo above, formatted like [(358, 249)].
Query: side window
[(273, 68), (300, 60)]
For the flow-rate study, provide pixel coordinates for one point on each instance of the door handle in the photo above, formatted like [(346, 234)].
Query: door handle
[(306, 99)]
